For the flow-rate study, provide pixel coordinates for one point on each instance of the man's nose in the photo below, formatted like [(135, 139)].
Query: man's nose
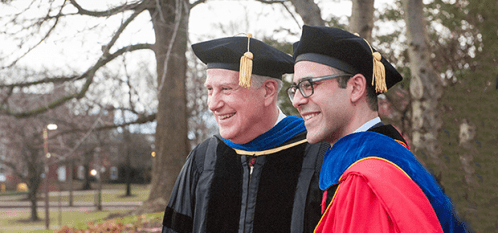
[(214, 102), (298, 99)]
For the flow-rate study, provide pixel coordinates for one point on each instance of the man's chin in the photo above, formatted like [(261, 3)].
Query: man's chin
[(311, 139), (315, 137), (226, 135), (223, 135)]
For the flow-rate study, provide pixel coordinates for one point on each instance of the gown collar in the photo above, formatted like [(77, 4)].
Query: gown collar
[(284, 130)]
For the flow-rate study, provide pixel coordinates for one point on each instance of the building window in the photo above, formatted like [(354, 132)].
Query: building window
[(114, 173), (2, 173), (61, 173), (81, 172)]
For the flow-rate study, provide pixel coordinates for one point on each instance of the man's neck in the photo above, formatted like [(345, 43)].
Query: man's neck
[(367, 125), (362, 117), (273, 117), (281, 116), (363, 127)]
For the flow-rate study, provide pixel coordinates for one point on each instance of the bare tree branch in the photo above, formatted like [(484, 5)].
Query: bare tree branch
[(6, 98), (291, 14), (88, 75), (309, 11), (41, 81), (131, 88), (13, 166), (196, 3), (44, 37), (271, 1), (108, 12), (141, 120), (71, 152), (121, 29)]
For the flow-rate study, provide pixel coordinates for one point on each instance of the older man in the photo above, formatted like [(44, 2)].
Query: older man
[(259, 174), (376, 183)]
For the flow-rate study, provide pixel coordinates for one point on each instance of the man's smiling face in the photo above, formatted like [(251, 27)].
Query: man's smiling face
[(238, 110), (327, 111)]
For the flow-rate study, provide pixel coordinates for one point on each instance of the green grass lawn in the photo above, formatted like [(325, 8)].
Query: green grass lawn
[(11, 193), (18, 220)]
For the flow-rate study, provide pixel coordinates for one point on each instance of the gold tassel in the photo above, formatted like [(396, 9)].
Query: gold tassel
[(245, 70), (379, 71)]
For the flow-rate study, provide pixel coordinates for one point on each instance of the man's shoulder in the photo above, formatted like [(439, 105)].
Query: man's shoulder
[(395, 190), (387, 180), (392, 132), (210, 140), (201, 149), (367, 141), (375, 168), (204, 152), (356, 146)]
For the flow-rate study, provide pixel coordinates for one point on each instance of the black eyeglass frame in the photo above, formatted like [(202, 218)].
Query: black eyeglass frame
[(291, 91)]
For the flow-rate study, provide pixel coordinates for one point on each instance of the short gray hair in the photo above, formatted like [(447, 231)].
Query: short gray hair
[(258, 80)]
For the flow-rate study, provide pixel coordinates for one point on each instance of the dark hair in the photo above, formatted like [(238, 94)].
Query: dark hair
[(371, 94)]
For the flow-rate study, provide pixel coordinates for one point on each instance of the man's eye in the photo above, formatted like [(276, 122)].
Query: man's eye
[(306, 85)]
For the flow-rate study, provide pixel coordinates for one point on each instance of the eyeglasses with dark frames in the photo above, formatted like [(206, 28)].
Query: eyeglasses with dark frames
[(305, 85)]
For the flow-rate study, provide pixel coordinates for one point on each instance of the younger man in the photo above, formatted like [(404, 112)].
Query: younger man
[(371, 180)]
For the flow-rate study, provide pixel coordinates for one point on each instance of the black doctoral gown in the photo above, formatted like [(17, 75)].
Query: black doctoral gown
[(217, 191)]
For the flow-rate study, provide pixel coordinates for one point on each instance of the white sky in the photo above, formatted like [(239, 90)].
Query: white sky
[(70, 48), (263, 17)]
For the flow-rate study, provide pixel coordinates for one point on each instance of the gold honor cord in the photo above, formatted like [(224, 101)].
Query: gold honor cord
[(379, 158), (269, 151)]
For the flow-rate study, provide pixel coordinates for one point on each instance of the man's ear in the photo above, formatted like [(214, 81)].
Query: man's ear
[(271, 91), (358, 85)]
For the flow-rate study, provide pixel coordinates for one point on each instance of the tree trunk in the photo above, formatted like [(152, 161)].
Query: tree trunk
[(425, 86), (127, 143), (128, 180), (33, 180), (86, 180), (32, 196), (309, 12), (71, 169), (170, 23), (361, 21)]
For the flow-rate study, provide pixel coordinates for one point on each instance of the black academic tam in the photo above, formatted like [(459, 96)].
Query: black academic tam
[(225, 53)]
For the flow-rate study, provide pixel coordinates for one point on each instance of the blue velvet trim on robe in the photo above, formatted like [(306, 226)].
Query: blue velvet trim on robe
[(356, 146), (276, 136)]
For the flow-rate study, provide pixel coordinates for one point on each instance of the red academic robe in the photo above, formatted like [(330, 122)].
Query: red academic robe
[(367, 201)]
